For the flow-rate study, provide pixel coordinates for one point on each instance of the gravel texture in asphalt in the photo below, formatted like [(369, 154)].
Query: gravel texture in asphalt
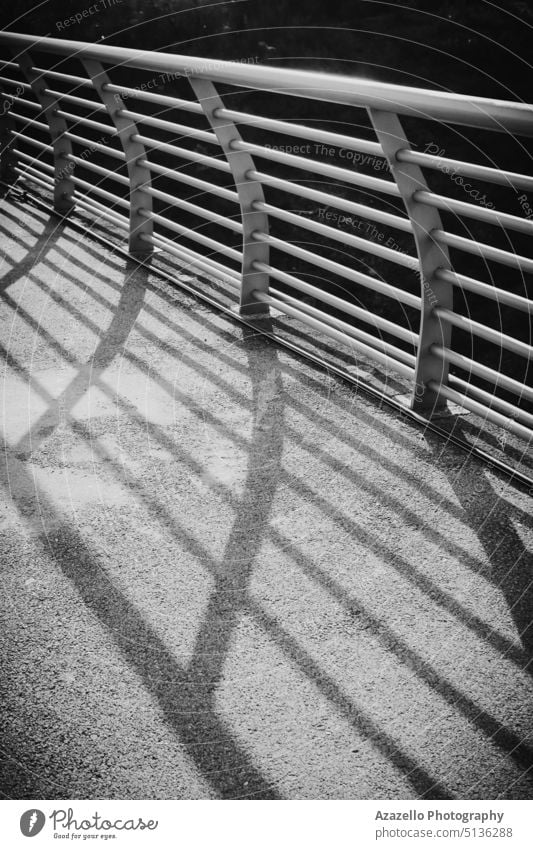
[(226, 574)]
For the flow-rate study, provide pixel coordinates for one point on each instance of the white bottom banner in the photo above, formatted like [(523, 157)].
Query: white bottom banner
[(246, 824)]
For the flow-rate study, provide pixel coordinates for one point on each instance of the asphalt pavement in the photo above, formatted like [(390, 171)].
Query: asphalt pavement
[(225, 574)]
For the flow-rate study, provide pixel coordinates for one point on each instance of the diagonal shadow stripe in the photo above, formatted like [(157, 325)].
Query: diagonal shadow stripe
[(511, 564)]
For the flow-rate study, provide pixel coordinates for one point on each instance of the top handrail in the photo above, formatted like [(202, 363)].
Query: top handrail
[(481, 112)]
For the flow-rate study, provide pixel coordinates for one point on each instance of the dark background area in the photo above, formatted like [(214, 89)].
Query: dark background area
[(474, 48)]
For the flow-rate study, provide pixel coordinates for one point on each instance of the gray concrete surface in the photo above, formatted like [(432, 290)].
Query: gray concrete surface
[(225, 574)]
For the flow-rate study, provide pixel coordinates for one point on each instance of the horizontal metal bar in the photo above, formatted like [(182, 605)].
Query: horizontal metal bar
[(161, 99), (345, 175), (30, 122), (47, 184), (92, 146), (342, 270), (105, 172), (386, 218), (65, 78), (29, 104), (169, 126), (366, 245), (376, 321), (193, 234), (371, 353), (20, 85), (480, 249), (473, 210), (37, 162), (78, 101), (35, 142), (485, 372), (183, 153), (91, 205), (491, 400), (488, 333), (114, 216), (115, 199), (221, 220), (440, 106), (344, 327), (181, 177), (466, 169), (481, 410), (40, 172), (86, 122), (207, 264), (300, 131), (501, 296)]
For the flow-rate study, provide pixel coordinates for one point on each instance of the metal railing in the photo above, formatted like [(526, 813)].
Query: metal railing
[(54, 117)]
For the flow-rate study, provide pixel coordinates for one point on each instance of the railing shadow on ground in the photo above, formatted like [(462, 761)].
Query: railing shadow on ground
[(185, 695), (177, 688), (438, 497), (128, 297), (511, 565)]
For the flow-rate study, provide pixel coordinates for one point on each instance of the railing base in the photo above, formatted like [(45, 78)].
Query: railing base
[(253, 310), (63, 210), (450, 411), (445, 411), (141, 256)]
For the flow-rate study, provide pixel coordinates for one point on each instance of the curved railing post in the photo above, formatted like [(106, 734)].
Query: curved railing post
[(139, 175), (7, 147), (435, 293), (249, 191), (63, 184)]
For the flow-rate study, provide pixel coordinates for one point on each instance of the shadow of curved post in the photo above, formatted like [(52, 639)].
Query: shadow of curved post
[(232, 579), (186, 694), (511, 563), (110, 345), (50, 233)]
